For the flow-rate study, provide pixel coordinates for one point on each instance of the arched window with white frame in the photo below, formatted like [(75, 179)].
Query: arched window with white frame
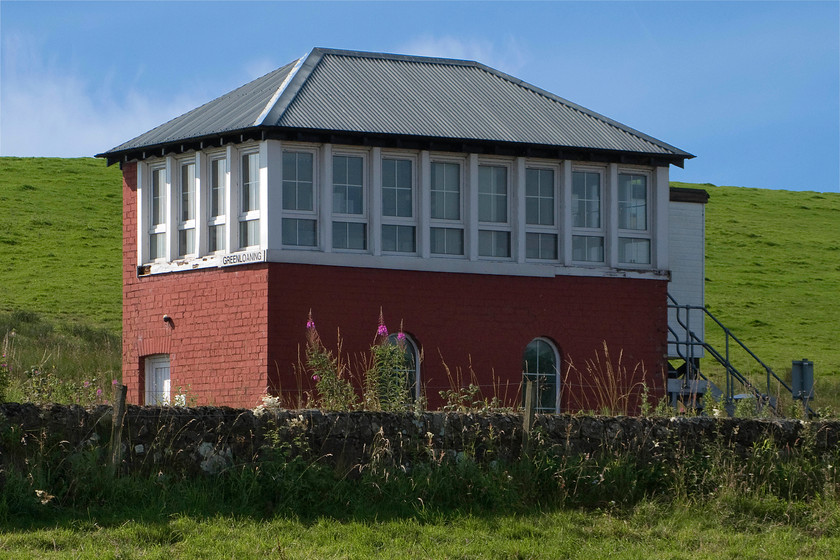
[(541, 364), (411, 367)]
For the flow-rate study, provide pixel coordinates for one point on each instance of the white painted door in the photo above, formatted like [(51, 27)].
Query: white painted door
[(157, 379)]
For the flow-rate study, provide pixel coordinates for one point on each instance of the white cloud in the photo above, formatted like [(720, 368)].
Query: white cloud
[(508, 56), (45, 110)]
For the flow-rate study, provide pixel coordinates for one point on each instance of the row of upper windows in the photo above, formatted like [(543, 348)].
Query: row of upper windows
[(350, 195)]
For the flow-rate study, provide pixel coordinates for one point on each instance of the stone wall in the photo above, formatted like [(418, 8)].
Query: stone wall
[(205, 439)]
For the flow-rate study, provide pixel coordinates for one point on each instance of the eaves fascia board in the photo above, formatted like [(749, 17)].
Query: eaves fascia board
[(433, 143)]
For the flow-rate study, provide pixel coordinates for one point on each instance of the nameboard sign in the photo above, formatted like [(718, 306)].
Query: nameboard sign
[(247, 257)]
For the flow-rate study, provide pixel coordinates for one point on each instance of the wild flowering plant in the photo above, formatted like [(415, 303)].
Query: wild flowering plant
[(386, 377), (43, 385), (335, 392)]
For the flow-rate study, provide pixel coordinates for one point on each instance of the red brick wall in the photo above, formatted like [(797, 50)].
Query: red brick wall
[(218, 335), (478, 321)]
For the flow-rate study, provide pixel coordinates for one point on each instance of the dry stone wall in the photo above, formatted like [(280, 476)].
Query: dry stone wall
[(198, 440)]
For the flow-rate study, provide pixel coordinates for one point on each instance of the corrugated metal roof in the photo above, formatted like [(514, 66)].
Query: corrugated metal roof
[(405, 96), (236, 110)]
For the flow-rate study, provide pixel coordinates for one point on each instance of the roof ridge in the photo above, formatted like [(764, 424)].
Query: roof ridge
[(280, 90), (395, 56), (302, 71)]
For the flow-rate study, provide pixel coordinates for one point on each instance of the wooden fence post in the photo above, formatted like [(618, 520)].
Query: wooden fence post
[(528, 414), (120, 392)]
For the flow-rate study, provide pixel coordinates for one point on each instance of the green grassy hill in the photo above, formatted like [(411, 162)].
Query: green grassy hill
[(773, 257), (773, 273), (60, 231)]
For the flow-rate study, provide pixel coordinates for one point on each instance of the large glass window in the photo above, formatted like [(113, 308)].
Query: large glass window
[(540, 364), (492, 194), (349, 232), (492, 243), (397, 196), (249, 218), (157, 214), (632, 201), (539, 197), (218, 198), (493, 210), (447, 232), (398, 239), (186, 225), (350, 235), (587, 223), (398, 229), (634, 235), (348, 185), (299, 219), (446, 191), (447, 241), (540, 203)]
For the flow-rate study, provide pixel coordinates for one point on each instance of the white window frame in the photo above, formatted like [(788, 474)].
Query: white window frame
[(219, 220), (249, 215), (189, 224), (555, 229), (557, 377), (161, 228), (363, 218), (157, 389), (443, 223), (404, 221), (411, 343), (310, 215), (604, 215), (507, 225), (645, 234)]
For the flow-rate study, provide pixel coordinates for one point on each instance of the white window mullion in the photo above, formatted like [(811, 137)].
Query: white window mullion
[(325, 188), (566, 212), (471, 209), (375, 232), (659, 227), (270, 162), (172, 206), (517, 199), (201, 203), (424, 180), (142, 213), (232, 205), (610, 204)]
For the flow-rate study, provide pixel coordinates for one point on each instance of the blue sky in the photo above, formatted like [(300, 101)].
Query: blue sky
[(751, 88)]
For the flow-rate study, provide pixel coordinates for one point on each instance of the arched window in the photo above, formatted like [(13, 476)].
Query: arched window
[(411, 364), (540, 364)]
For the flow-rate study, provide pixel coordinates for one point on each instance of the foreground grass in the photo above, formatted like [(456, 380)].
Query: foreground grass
[(648, 530)]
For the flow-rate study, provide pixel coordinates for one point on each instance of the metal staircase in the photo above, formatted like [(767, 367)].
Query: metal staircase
[(687, 385)]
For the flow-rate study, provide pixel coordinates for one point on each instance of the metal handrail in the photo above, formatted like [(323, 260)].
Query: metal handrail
[(693, 340)]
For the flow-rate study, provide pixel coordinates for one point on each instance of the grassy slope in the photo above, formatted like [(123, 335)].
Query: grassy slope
[(60, 231), (773, 273)]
